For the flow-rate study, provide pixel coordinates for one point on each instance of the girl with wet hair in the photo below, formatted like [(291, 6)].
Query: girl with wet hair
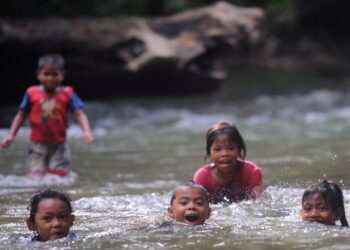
[(228, 177), (50, 216), (323, 202)]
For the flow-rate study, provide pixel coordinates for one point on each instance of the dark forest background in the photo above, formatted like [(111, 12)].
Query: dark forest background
[(325, 20), (306, 32)]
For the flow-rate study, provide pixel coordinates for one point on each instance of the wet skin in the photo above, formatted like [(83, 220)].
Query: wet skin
[(189, 207), (315, 209), (50, 77), (52, 220), (224, 155)]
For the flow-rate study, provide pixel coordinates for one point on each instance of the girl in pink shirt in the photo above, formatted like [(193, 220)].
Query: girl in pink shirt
[(228, 177)]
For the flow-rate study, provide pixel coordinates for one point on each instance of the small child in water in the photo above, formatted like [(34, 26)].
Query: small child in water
[(50, 216), (323, 202), (190, 204), (228, 177), (47, 106)]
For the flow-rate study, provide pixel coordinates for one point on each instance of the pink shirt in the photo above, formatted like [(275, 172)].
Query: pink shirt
[(247, 176)]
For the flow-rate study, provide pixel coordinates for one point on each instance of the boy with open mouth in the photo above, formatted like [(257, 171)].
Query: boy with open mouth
[(189, 204)]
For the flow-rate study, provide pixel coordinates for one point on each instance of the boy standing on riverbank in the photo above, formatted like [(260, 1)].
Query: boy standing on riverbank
[(47, 105)]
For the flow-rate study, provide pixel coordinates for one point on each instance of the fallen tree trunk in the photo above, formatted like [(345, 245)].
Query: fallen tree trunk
[(109, 57)]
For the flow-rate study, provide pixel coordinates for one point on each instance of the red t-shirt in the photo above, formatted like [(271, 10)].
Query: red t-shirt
[(247, 176), (48, 112)]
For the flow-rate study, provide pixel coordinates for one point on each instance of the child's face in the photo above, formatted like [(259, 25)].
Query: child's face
[(52, 220), (50, 77), (224, 154), (189, 207), (315, 209)]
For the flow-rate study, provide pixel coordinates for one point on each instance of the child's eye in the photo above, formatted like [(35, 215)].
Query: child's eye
[(306, 209), (47, 218), (64, 216), (50, 74), (183, 202)]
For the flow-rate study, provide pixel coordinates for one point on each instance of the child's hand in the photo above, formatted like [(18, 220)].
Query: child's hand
[(7, 141), (88, 138)]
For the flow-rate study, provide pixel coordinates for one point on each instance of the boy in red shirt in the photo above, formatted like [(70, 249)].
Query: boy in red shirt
[(47, 105)]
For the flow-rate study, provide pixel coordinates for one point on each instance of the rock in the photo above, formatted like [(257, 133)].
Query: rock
[(111, 57)]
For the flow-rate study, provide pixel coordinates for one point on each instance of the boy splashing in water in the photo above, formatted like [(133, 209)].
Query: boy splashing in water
[(189, 204), (323, 202), (47, 106)]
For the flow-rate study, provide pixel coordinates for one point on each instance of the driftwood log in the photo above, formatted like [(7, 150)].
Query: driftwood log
[(110, 57)]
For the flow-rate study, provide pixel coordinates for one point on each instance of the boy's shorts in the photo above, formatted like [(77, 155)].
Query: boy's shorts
[(52, 158)]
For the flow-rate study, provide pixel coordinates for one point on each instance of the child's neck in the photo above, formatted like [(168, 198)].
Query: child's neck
[(223, 178), (51, 90)]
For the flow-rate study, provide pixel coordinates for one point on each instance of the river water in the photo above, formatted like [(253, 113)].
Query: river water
[(121, 184)]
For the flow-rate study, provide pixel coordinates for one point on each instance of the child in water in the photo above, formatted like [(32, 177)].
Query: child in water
[(228, 178), (47, 106), (50, 216), (189, 204), (323, 202)]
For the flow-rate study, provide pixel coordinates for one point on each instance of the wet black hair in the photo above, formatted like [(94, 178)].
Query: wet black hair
[(47, 194), (51, 59), (332, 194), (190, 184), (231, 132)]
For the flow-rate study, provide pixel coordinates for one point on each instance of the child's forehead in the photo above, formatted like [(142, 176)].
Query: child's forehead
[(51, 202), (223, 138), (318, 197), (189, 191), (50, 67)]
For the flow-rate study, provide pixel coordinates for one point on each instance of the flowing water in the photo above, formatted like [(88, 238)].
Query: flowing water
[(122, 183)]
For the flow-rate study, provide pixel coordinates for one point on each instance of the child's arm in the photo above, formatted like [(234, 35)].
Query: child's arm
[(83, 121), (258, 190), (16, 124)]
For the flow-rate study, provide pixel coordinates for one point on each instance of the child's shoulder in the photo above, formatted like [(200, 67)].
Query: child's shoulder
[(203, 169), (249, 165), (34, 88), (35, 237)]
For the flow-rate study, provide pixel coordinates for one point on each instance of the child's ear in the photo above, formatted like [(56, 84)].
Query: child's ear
[(171, 213), (72, 219), (209, 212), (31, 225)]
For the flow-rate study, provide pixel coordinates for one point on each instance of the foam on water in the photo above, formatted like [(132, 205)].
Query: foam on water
[(141, 221), (142, 151), (47, 180), (319, 106)]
